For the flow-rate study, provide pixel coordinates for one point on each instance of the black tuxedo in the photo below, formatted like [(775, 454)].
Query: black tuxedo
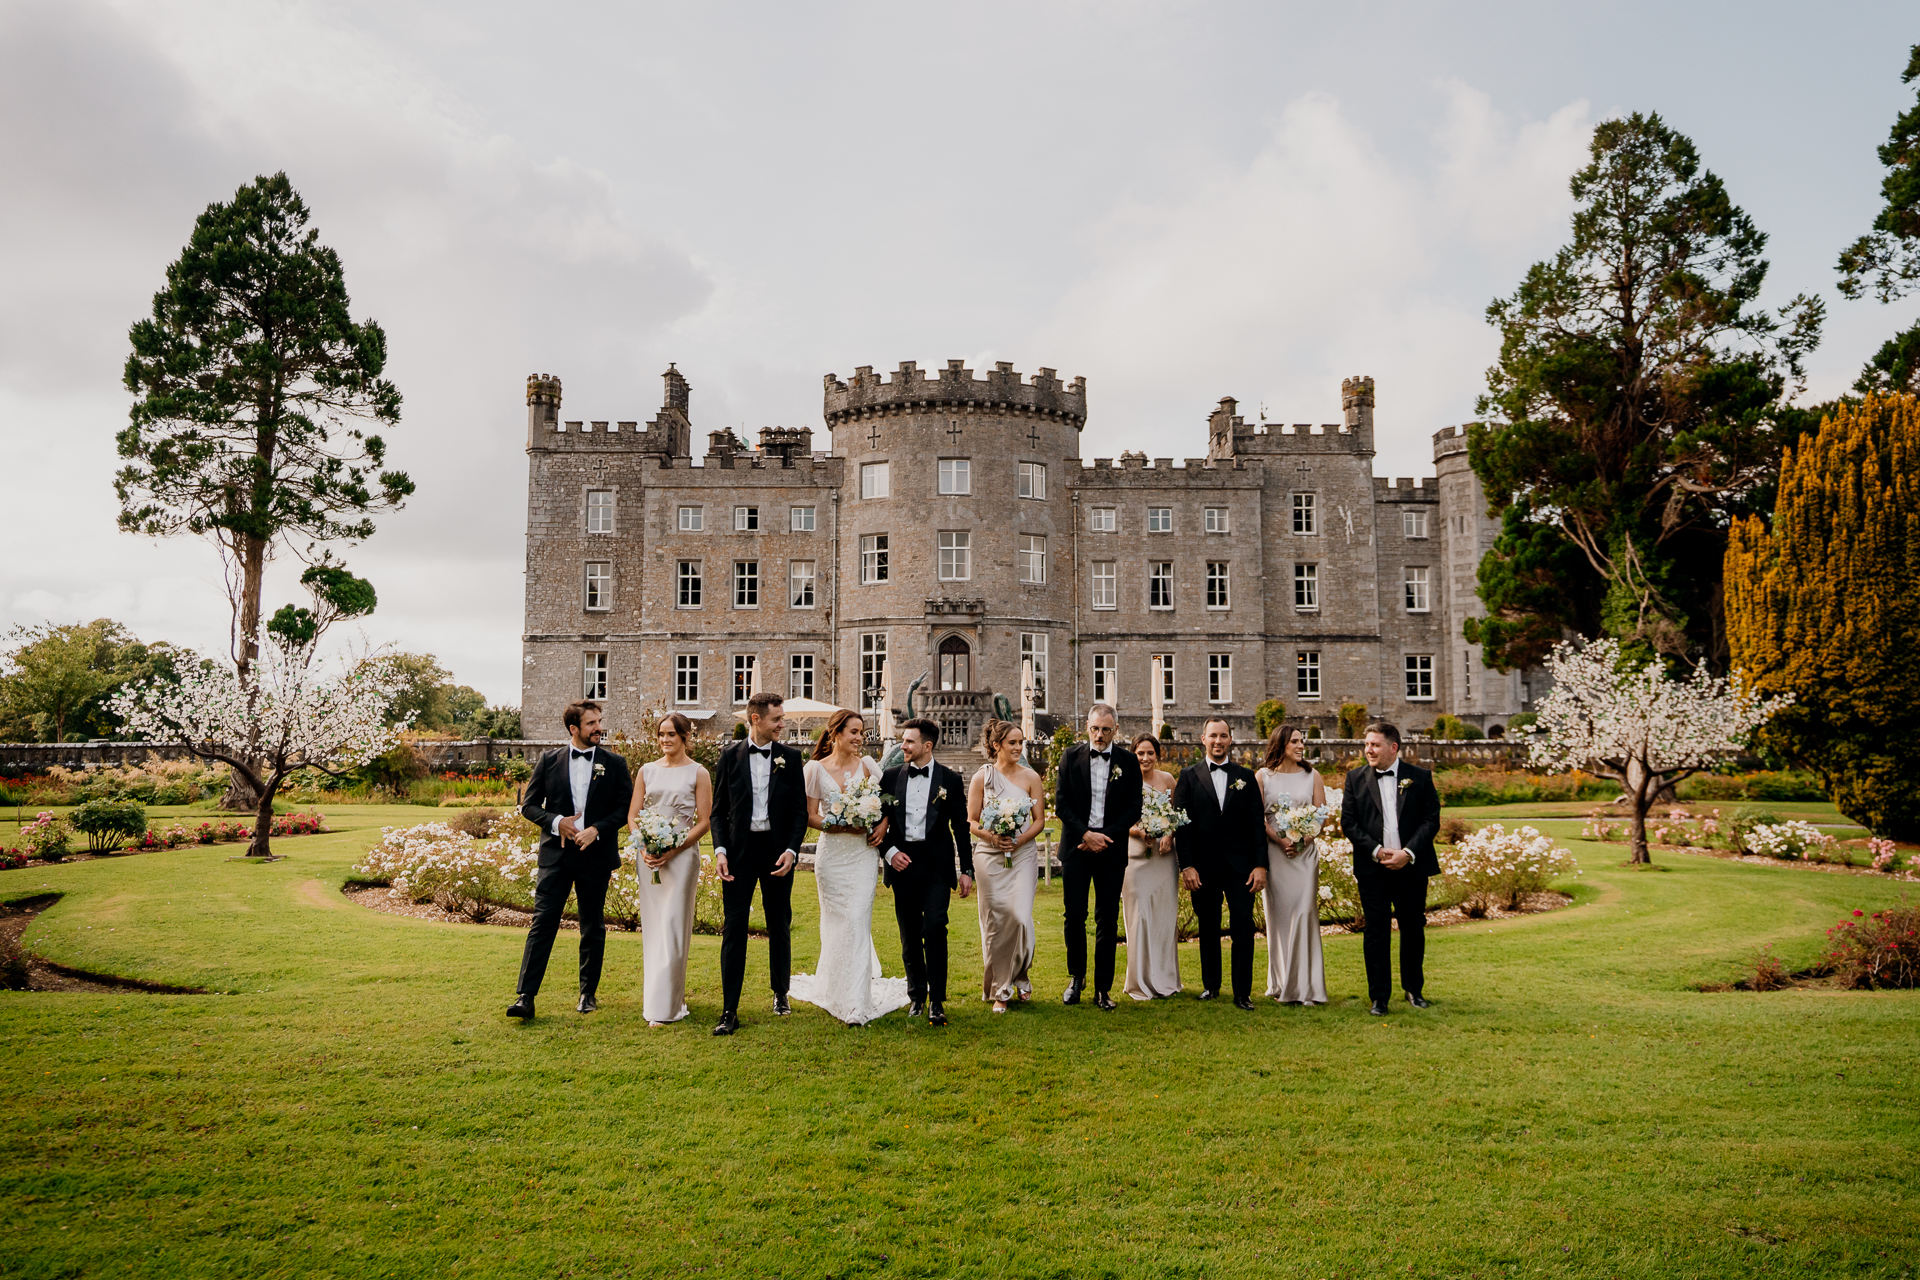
[(567, 868), (1106, 871), (922, 893), (752, 856), (1224, 844), (1386, 894)]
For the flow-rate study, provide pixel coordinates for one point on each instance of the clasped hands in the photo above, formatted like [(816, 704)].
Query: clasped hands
[(1392, 859), (582, 836)]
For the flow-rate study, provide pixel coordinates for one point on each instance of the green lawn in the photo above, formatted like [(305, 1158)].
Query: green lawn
[(357, 1105)]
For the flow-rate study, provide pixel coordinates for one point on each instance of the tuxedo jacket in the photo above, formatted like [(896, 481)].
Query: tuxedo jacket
[(733, 797), (549, 795), (1073, 802), (1223, 844), (1418, 814), (947, 830)]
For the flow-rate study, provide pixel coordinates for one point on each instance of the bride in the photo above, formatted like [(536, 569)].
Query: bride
[(845, 867)]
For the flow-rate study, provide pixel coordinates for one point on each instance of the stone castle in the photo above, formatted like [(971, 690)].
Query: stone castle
[(953, 533)]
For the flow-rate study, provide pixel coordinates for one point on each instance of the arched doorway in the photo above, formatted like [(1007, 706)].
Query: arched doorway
[(956, 664)]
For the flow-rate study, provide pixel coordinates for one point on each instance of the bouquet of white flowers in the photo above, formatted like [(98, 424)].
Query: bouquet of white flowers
[(1301, 821), (860, 804), (1006, 817), (1158, 817), (654, 831)]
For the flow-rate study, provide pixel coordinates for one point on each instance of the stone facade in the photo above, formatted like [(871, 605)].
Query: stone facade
[(953, 531)]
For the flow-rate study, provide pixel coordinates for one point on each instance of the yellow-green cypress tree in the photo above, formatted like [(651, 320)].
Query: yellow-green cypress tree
[(1826, 606)]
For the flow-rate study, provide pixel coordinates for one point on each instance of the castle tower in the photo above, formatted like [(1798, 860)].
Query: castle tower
[(671, 431), (1480, 696), (543, 404), (1220, 427), (1356, 399)]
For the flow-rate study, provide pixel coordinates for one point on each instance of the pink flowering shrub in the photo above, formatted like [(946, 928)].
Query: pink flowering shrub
[(1878, 951), (47, 836), (1885, 856)]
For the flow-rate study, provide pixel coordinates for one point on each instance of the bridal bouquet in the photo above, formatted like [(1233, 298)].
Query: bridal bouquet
[(1158, 817), (655, 832), (1301, 821), (859, 805), (1006, 817)]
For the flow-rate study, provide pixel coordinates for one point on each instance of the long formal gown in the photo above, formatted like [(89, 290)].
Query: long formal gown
[(666, 909), (1006, 905), (1295, 973), (1150, 903), (849, 984)]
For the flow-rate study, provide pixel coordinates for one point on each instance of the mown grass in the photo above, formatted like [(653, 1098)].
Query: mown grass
[(358, 1105)]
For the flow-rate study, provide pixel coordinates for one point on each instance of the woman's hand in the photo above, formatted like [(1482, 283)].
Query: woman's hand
[(1166, 843), (1003, 843)]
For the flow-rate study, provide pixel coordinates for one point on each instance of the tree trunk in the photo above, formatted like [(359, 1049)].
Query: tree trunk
[(1640, 792), (253, 562), (263, 820), (241, 796)]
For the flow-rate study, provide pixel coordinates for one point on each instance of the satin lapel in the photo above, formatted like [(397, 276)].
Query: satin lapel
[(1206, 779), (1401, 786)]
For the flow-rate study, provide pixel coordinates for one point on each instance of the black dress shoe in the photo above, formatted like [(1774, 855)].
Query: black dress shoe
[(522, 1007), (1207, 993), (1378, 1008), (1243, 1002), (936, 1015), (728, 1024), (1419, 1001), (916, 1011), (587, 1004), (780, 1006), (1105, 1001), (1072, 993)]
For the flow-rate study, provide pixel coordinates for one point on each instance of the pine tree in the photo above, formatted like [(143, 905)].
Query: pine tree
[(1827, 606)]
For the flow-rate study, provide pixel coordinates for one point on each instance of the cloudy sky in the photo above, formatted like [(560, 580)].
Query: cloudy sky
[(1178, 201)]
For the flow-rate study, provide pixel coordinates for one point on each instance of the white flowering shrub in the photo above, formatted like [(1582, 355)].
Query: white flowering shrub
[(1495, 867), (1339, 891), (1792, 840), (433, 862)]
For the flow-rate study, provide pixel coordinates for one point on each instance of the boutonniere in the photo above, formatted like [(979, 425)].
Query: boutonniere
[(940, 796), (779, 762), (599, 769), (1405, 783), (889, 799), (1115, 775), (1238, 783)]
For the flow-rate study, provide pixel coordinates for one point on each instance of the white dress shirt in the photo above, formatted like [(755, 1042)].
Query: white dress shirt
[(1099, 770), (579, 778), (1389, 787), (1219, 783), (919, 795), (760, 770)]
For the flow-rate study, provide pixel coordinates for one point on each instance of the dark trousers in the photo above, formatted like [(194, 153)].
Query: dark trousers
[(550, 890), (1206, 911), (1105, 874), (920, 902), (1401, 895), (751, 866)]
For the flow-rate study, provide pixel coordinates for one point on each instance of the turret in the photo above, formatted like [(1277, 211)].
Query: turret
[(543, 405), (1356, 398), (1220, 427)]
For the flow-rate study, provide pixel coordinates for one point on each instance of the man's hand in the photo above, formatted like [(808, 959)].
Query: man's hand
[(1094, 842), (586, 836), (966, 884), (569, 829), (1257, 879), (786, 863), (720, 865), (1190, 877), (879, 834), (1397, 858), (899, 861)]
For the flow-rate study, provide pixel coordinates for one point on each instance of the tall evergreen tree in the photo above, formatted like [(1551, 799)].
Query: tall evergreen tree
[(1886, 261), (1641, 385), (1826, 606)]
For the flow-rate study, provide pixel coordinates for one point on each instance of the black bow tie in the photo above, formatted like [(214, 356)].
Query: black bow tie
[(1100, 755), (913, 772), (581, 755), (1217, 767), (761, 751), (1383, 773)]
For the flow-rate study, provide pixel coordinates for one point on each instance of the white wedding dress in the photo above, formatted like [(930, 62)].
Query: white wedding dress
[(849, 984)]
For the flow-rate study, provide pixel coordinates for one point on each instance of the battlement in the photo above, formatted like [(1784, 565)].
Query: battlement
[(669, 434), (954, 389), (1230, 435), (1405, 489), (1450, 442)]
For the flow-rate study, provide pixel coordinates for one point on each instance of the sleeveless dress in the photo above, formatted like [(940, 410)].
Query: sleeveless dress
[(1150, 905), (666, 909), (1295, 973), (1006, 905), (848, 984)]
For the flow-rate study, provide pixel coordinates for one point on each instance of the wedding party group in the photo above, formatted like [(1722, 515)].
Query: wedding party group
[(1132, 836)]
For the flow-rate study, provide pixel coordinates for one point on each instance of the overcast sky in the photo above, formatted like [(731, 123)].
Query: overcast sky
[(1178, 201)]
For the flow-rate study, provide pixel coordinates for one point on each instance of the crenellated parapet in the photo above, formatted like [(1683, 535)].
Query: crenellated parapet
[(954, 390)]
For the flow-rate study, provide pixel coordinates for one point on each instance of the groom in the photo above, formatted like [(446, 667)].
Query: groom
[(759, 823), (1391, 812), (929, 812), (1098, 799), (578, 797), (1223, 855)]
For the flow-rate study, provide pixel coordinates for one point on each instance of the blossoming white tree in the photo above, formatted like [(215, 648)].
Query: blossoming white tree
[(280, 715), (1640, 726)]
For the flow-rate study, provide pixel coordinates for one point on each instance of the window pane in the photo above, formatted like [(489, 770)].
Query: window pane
[(1416, 590), (873, 658), (692, 519), (875, 480), (1216, 519), (800, 676), (593, 681), (1306, 586), (1106, 677), (689, 583), (1219, 677), (956, 475), (1306, 680), (800, 584), (1032, 558), (873, 558), (1033, 480), (1159, 519), (1106, 584), (599, 584), (1216, 584), (956, 556), (686, 678), (1160, 585), (1305, 514), (746, 584), (1103, 520), (745, 667), (1166, 677), (1033, 647), (1413, 524), (1420, 676), (600, 511), (800, 520)]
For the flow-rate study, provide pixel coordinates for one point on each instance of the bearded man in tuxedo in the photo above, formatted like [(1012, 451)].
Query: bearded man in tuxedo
[(1098, 799), (928, 855), (578, 797), (1391, 812), (1223, 856)]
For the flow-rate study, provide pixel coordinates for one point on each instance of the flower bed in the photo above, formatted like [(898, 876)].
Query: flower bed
[(13, 859), (1497, 868), (1882, 950), (177, 835)]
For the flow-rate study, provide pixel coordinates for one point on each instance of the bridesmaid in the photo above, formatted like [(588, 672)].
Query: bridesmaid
[(1006, 893), (1150, 897), (678, 785), (1295, 974)]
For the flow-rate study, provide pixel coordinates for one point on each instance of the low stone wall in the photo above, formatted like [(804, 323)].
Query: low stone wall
[(38, 757), (1329, 752)]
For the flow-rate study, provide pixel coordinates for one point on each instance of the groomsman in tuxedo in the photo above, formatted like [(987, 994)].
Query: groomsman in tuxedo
[(578, 796), (759, 824), (1223, 855), (1391, 812), (1098, 799), (929, 856)]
